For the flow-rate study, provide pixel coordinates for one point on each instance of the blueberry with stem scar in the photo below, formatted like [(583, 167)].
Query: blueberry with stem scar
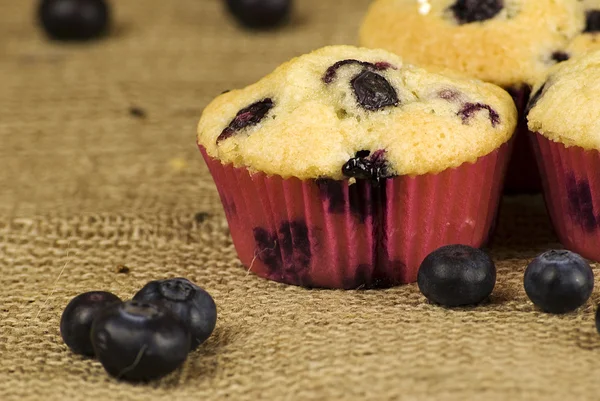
[(559, 281), (190, 303), (457, 275)]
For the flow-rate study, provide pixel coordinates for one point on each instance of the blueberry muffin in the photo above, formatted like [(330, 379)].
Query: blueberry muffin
[(345, 167), (507, 42), (565, 118)]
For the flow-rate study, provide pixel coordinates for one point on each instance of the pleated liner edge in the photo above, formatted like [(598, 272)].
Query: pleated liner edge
[(572, 192), (333, 234)]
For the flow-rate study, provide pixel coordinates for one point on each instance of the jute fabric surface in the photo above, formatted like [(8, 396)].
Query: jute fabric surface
[(102, 187)]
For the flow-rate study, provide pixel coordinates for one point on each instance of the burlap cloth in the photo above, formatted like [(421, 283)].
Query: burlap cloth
[(88, 189)]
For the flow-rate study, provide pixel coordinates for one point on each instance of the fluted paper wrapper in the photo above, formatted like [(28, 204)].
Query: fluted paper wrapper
[(333, 234), (571, 181)]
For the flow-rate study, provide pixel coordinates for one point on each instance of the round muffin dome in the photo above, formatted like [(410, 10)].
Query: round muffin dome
[(564, 116), (343, 111), (589, 39), (563, 108), (506, 42)]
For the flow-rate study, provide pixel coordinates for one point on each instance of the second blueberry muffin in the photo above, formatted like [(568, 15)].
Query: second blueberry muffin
[(510, 43), (345, 167), (565, 117)]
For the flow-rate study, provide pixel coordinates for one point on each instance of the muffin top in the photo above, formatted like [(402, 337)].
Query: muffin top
[(343, 111), (589, 39), (564, 107), (507, 42)]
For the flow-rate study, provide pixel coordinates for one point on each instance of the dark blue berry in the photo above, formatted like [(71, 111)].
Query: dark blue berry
[(467, 11), (592, 21), (246, 117), (469, 109), (364, 166), (77, 318), (457, 275), (190, 303), (138, 341), (259, 14), (373, 91), (560, 56), (74, 19), (331, 72), (559, 281)]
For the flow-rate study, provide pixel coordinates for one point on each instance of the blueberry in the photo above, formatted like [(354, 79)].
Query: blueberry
[(76, 320), (364, 166), (190, 303), (138, 341), (74, 19), (469, 109), (559, 281), (560, 56), (467, 11), (246, 117), (592, 21), (457, 275), (331, 72), (260, 13), (373, 92)]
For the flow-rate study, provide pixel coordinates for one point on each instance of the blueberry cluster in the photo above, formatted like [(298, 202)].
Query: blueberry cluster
[(367, 166), (145, 338), (557, 281)]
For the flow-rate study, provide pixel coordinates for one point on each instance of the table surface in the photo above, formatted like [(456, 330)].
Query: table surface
[(86, 186)]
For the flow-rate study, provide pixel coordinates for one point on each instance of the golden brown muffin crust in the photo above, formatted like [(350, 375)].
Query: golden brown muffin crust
[(516, 45), (565, 107), (306, 120)]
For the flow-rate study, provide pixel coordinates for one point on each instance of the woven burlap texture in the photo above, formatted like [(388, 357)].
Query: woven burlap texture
[(88, 188)]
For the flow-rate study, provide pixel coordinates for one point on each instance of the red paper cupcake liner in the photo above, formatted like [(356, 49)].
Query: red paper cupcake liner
[(332, 234), (572, 192), (522, 176)]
